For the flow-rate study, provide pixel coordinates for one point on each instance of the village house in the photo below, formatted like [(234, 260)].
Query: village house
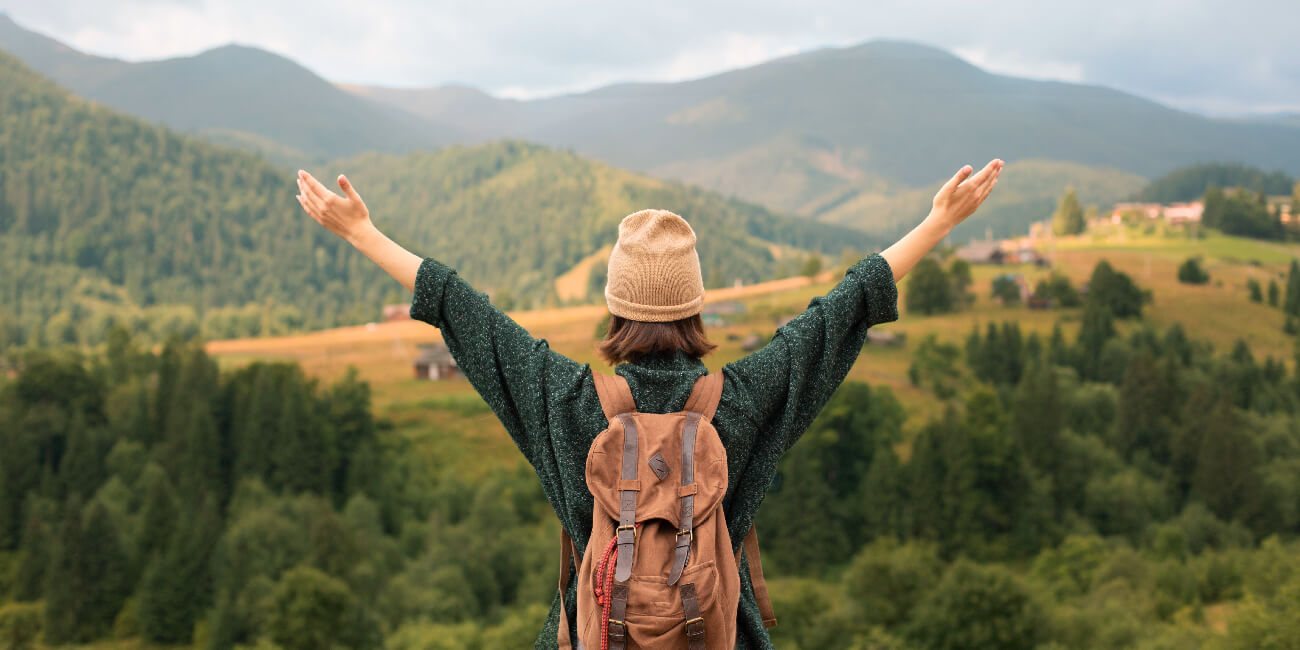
[(435, 362), (982, 252), (885, 338), (1173, 213), (397, 312), (716, 314)]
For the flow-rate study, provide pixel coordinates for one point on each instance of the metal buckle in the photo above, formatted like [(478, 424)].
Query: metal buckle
[(614, 621), (697, 619), (624, 528), (689, 533)]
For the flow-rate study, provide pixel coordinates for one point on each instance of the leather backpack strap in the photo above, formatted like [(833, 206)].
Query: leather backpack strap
[(686, 531), (614, 393), (761, 597), (566, 558), (705, 396)]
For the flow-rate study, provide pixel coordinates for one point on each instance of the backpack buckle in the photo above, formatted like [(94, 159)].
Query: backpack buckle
[(688, 533)]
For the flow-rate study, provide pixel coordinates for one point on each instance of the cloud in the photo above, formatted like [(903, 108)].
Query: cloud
[(1196, 54)]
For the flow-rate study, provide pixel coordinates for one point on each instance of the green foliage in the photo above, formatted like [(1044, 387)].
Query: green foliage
[(1272, 292), (978, 607), (308, 609), (1192, 182), (1116, 291), (934, 366), (20, 625), (1253, 289), (1190, 272), (1241, 212), (929, 289), (886, 580), (1068, 218), (1006, 289), (1058, 289)]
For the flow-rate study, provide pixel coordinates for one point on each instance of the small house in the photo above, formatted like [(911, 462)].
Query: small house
[(397, 312), (982, 252), (751, 342), (885, 338), (435, 363), (716, 314)]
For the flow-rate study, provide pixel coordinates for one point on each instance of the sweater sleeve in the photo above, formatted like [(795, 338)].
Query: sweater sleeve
[(792, 377), (507, 366)]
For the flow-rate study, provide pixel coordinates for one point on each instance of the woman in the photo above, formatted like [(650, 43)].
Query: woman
[(549, 405)]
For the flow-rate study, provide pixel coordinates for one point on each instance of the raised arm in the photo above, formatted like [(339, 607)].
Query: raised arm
[(792, 376), (347, 217), (503, 362), (956, 200)]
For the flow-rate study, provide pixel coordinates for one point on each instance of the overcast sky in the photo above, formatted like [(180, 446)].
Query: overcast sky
[(1211, 56)]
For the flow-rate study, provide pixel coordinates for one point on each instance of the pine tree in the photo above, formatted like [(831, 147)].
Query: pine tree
[(177, 586), (158, 516), (65, 589), (1226, 477), (1272, 292), (929, 290), (1068, 218), (348, 404), (105, 574), (1098, 327), (34, 553), (1254, 290), (1292, 304)]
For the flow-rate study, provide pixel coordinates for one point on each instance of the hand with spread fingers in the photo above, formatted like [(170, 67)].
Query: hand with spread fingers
[(345, 216), (956, 200), (963, 194)]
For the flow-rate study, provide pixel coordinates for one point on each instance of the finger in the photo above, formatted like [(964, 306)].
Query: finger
[(350, 191), (955, 180), (315, 186), (315, 204), (988, 189), (983, 175), (303, 202)]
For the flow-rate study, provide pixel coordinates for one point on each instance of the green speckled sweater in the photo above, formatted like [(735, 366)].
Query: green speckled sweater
[(549, 406)]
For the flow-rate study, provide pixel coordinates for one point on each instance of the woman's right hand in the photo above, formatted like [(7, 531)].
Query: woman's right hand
[(963, 194), (345, 216)]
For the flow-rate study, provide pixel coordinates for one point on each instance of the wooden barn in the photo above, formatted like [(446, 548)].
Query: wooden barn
[(435, 363)]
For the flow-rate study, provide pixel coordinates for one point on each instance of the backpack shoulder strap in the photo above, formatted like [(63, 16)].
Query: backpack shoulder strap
[(705, 396), (761, 597), (614, 393)]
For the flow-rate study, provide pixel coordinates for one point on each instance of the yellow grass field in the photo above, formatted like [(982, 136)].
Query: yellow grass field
[(1219, 312)]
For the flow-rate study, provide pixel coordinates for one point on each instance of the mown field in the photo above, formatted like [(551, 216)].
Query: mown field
[(1219, 312)]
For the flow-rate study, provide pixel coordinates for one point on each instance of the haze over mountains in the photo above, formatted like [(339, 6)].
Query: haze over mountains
[(239, 95), (849, 135)]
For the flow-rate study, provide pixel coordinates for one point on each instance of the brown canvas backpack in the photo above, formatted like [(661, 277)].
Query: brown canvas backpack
[(658, 572)]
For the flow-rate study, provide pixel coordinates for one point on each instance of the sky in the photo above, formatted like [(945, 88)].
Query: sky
[(1208, 56)]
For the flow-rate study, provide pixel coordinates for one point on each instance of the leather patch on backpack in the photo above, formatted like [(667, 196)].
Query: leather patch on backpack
[(659, 466)]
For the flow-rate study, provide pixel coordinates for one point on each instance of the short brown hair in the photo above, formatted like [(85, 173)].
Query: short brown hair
[(629, 340)]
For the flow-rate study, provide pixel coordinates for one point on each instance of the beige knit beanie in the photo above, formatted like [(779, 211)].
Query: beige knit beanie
[(654, 271)]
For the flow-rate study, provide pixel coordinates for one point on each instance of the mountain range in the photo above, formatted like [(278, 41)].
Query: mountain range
[(848, 135), (108, 220)]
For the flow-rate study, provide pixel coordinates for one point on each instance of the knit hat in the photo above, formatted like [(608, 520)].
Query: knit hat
[(654, 271)]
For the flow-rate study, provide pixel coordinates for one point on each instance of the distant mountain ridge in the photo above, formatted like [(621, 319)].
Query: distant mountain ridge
[(837, 134), (240, 95)]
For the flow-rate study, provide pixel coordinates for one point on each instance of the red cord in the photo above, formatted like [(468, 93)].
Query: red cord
[(604, 588)]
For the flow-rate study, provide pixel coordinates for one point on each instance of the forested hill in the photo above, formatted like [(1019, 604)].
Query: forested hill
[(104, 219)]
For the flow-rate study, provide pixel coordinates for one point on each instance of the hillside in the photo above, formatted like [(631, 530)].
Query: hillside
[(105, 219), (792, 132), (240, 95)]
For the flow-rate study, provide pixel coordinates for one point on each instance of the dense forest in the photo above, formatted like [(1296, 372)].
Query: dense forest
[(106, 220), (1190, 183), (1115, 487)]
